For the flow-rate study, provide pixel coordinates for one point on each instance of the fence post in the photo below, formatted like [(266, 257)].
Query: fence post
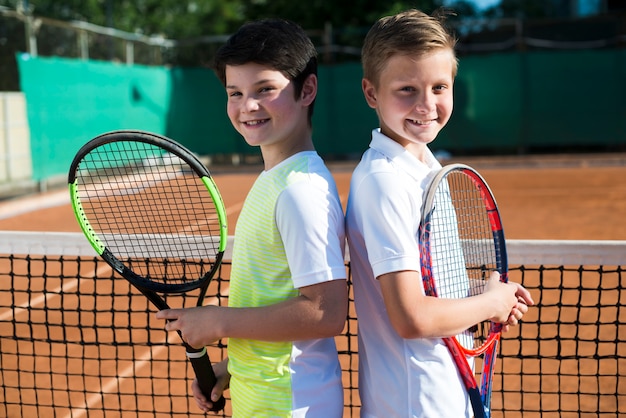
[(31, 26), (130, 52), (83, 44)]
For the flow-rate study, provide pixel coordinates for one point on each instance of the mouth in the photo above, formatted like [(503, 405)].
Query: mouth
[(255, 122), (421, 122)]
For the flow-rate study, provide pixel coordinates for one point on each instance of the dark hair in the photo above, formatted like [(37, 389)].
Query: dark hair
[(276, 43)]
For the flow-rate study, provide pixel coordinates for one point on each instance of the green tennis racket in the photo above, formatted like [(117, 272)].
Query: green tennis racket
[(152, 211)]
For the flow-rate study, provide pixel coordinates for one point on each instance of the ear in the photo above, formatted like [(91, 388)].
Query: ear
[(309, 90), (369, 91)]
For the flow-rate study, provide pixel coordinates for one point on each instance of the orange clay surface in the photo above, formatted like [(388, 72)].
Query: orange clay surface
[(559, 197), (567, 197)]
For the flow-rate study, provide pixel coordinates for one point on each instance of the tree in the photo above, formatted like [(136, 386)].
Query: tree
[(317, 13), (182, 19), (523, 9), (172, 19)]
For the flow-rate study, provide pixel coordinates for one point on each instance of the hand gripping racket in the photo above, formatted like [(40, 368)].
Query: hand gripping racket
[(151, 210), (461, 243)]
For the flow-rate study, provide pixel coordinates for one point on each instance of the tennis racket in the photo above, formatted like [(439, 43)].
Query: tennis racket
[(152, 211), (461, 243)]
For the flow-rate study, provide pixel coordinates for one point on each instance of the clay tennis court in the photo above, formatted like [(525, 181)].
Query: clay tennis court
[(567, 197), (556, 198)]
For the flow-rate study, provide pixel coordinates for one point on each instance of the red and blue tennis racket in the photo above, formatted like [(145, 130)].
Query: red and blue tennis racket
[(461, 244)]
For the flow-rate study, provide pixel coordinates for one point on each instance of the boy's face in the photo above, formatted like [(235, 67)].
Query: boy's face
[(413, 99), (262, 107)]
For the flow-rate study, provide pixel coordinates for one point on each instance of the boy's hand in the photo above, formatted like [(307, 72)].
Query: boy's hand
[(511, 301), (223, 381), (524, 299), (198, 326)]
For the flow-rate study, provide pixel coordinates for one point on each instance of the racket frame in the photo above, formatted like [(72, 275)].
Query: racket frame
[(150, 289), (479, 398)]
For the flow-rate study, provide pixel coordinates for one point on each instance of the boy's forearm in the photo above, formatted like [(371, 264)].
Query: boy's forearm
[(308, 316), (414, 315)]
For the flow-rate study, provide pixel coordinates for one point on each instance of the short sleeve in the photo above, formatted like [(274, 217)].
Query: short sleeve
[(388, 214), (311, 224)]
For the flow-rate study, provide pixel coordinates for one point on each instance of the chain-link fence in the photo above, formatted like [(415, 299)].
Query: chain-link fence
[(40, 36)]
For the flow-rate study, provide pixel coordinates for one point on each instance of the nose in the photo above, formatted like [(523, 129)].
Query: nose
[(425, 102), (251, 104)]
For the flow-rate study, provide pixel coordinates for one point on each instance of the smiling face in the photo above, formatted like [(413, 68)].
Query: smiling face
[(263, 108), (413, 97)]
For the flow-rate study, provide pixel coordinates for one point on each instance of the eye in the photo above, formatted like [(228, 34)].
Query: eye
[(234, 93), (407, 89), (266, 89), (440, 88)]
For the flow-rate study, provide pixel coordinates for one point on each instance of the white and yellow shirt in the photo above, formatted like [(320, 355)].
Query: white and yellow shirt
[(290, 234)]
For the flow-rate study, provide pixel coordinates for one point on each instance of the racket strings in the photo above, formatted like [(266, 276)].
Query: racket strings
[(462, 246), (152, 211)]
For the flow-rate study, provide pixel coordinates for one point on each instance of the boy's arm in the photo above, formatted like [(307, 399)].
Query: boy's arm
[(319, 311), (415, 315), (310, 221)]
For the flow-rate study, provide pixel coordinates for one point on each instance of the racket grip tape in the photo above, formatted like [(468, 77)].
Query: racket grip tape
[(206, 376), (477, 403)]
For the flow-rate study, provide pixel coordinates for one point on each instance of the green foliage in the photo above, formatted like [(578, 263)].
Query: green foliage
[(173, 19), (188, 19), (317, 13), (183, 19)]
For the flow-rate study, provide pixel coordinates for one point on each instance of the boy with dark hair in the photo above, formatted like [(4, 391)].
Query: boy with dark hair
[(288, 295)]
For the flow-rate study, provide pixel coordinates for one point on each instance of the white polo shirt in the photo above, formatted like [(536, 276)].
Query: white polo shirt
[(397, 377)]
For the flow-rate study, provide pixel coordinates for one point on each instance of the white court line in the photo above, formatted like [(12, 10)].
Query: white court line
[(22, 205), (28, 204), (114, 382), (40, 300)]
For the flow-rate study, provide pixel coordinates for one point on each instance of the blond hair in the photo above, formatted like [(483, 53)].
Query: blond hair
[(411, 32)]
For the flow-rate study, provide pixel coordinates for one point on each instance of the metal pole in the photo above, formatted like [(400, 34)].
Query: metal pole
[(30, 26)]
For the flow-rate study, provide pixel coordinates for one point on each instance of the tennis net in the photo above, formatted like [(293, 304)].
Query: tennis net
[(75, 341)]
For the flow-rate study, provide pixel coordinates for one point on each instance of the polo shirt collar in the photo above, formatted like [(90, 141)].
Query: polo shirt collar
[(403, 158)]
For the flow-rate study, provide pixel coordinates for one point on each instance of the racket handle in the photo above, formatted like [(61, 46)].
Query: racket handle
[(477, 403), (205, 375)]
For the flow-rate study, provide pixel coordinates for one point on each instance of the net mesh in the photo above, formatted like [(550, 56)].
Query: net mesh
[(71, 347)]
